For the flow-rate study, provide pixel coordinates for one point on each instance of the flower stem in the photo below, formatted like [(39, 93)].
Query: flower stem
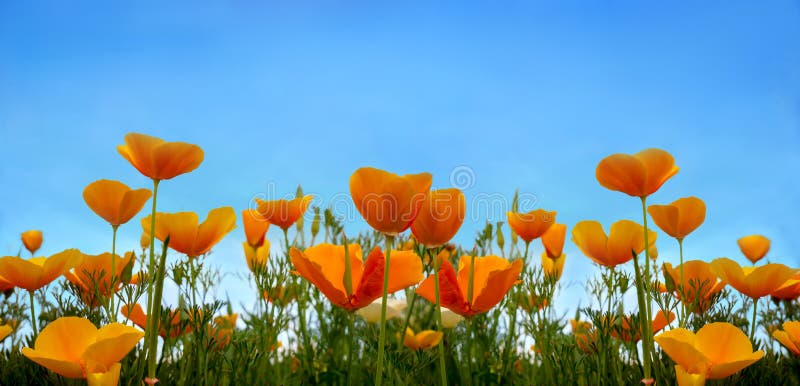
[(436, 266), (753, 324), (33, 317), (648, 346), (155, 316), (682, 320), (151, 324), (382, 335), (301, 301), (112, 312), (350, 346)]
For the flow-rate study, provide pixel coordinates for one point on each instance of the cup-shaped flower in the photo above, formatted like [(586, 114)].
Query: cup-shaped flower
[(625, 238), (38, 271), (158, 159), (679, 218), (422, 340), (256, 256), (372, 312), (700, 283), (754, 247), (585, 335), (754, 282), (388, 202), (717, 350), (71, 345), (283, 213), (789, 336), (255, 227), (684, 378), (632, 332), (324, 266), (532, 225), (553, 267), (32, 240), (92, 276), (637, 175), (790, 290), (114, 201), (221, 330), (440, 217), (553, 240), (493, 277), (187, 235), (172, 324)]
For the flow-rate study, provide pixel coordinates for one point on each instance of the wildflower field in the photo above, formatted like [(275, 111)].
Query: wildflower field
[(398, 304)]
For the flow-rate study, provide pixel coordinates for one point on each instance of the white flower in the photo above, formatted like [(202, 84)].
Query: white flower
[(372, 312)]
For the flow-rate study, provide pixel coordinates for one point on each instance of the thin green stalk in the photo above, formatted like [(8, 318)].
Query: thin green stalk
[(648, 347), (350, 345), (301, 301), (112, 312), (382, 335), (33, 316), (642, 319), (682, 319), (150, 323), (470, 288), (439, 325), (753, 324), (155, 316), (468, 350), (512, 323)]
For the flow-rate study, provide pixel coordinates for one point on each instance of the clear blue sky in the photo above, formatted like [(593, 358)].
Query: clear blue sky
[(525, 95)]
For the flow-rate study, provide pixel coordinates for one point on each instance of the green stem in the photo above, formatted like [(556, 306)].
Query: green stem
[(512, 323), (648, 346), (350, 346), (149, 324), (155, 316), (468, 350), (753, 324), (301, 301), (112, 312), (382, 335), (439, 326), (33, 316), (642, 318), (682, 320)]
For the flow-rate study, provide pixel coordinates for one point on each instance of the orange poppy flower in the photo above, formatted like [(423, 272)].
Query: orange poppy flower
[(422, 340), (114, 201), (388, 202), (222, 329), (186, 235), (638, 175), (700, 283), (680, 218), (702, 353), (625, 237), (6, 329), (283, 213), (38, 271), (789, 336), (5, 285), (440, 217), (324, 266), (92, 276), (256, 256), (585, 335), (255, 227), (754, 282), (72, 346), (553, 266), (626, 332), (176, 327), (553, 240), (100, 376), (790, 290), (32, 240), (493, 277), (532, 225), (754, 247), (158, 159)]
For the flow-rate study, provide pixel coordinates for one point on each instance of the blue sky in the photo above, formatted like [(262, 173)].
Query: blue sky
[(527, 95)]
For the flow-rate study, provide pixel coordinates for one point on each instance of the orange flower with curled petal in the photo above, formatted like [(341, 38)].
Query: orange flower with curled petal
[(532, 225), (624, 331), (92, 276), (324, 266), (175, 328), (790, 290), (705, 353), (440, 217), (754, 282), (679, 218), (114, 201), (185, 233), (38, 271), (700, 283), (73, 347), (625, 237), (754, 247), (493, 278), (388, 202), (158, 159), (32, 240), (789, 336), (638, 175), (283, 213), (422, 340), (255, 227)]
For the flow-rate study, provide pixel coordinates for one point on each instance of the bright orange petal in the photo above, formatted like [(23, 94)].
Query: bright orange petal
[(255, 227), (754, 247), (314, 273), (623, 173), (220, 222)]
